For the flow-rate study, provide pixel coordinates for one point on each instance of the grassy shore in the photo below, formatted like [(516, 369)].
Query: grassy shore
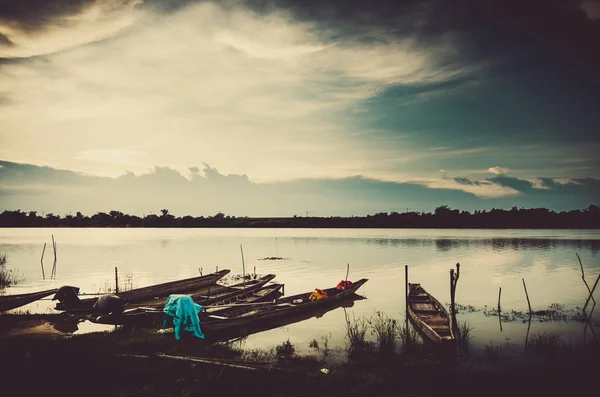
[(130, 363)]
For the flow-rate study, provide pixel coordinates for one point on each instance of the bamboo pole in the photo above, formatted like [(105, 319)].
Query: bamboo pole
[(499, 309), (42, 262), (406, 296), (243, 270), (116, 280), (54, 246), (406, 285), (452, 292), (591, 294), (527, 295), (347, 271), (499, 294), (583, 276)]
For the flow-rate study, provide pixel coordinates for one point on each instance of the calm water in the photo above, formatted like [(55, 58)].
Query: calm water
[(317, 258)]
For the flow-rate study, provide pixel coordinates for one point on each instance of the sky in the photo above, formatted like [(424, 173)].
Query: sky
[(282, 107)]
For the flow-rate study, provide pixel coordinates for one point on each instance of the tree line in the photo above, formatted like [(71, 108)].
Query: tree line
[(442, 217)]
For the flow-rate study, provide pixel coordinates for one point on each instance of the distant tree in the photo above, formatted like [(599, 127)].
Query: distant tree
[(165, 212)]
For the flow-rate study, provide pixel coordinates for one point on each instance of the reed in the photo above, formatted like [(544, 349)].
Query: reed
[(385, 329), (545, 342), (465, 336), (355, 334), (409, 338), (7, 277)]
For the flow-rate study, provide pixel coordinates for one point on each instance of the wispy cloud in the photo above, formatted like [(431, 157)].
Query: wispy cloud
[(223, 84), (499, 170)]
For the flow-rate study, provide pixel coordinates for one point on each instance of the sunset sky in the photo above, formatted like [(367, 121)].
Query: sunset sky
[(276, 108)]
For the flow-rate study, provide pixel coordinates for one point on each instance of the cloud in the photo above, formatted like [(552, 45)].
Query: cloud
[(28, 187), (591, 9), (111, 155), (38, 27), (499, 170), (226, 84)]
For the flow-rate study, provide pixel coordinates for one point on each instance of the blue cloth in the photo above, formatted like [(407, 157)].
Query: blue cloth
[(185, 315)]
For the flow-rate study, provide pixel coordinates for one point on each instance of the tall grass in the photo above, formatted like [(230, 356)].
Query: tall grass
[(7, 277), (385, 329), (409, 338), (464, 335), (545, 342), (355, 334)]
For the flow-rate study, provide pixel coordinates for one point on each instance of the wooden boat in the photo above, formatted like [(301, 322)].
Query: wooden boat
[(154, 317), (240, 318), (9, 302), (429, 316), (215, 294), (144, 294)]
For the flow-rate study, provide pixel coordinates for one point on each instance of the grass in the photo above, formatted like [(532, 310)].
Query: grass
[(355, 334), (385, 329), (492, 353), (7, 277), (544, 342), (464, 335), (409, 338), (285, 350)]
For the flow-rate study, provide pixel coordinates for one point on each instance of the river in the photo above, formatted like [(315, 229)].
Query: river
[(317, 258)]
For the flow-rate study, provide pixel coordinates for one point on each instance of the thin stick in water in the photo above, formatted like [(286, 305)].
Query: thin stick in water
[(42, 262), (116, 280), (499, 294), (591, 294), (583, 276), (527, 295), (347, 271), (243, 269)]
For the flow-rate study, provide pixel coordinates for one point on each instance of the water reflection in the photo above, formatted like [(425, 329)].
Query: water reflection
[(447, 244)]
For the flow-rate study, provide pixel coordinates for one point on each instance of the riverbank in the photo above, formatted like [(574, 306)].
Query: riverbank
[(144, 363)]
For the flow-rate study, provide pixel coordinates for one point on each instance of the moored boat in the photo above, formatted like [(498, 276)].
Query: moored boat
[(70, 302), (9, 302), (154, 317), (240, 318), (429, 316)]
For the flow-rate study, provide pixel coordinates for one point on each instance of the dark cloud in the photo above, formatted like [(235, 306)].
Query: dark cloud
[(519, 185), (34, 15), (5, 41), (467, 181)]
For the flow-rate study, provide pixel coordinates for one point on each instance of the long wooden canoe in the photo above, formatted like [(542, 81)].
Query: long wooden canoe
[(240, 319), (429, 316), (9, 302), (215, 294), (150, 317), (147, 293)]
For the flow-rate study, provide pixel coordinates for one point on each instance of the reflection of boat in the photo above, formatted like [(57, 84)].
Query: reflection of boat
[(69, 301), (9, 302), (429, 316), (244, 318)]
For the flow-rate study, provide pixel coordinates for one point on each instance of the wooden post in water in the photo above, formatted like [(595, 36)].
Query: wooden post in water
[(591, 294), (499, 309), (583, 277), (243, 270), (499, 294), (406, 298), (406, 287), (527, 295), (347, 271), (116, 280), (452, 292), (53, 273), (42, 262)]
